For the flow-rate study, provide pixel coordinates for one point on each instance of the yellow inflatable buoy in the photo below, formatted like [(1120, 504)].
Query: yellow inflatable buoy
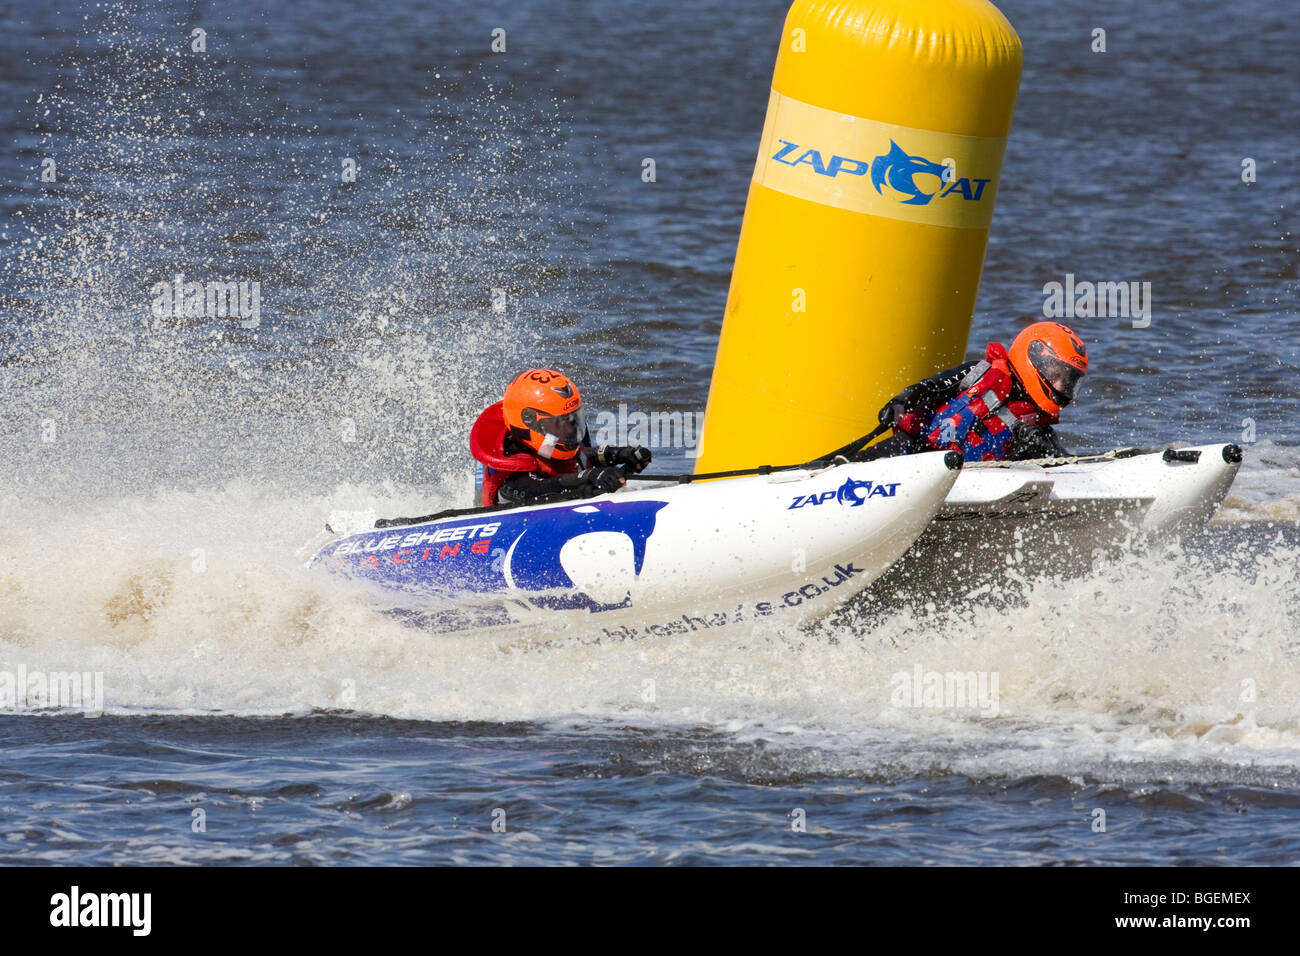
[(864, 233)]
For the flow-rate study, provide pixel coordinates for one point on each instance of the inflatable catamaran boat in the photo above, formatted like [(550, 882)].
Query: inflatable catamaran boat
[(793, 543)]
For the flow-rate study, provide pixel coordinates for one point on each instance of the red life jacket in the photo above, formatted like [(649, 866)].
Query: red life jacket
[(978, 422), (487, 441)]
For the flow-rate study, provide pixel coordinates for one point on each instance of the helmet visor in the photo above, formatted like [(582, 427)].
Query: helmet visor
[(566, 430), (1061, 378)]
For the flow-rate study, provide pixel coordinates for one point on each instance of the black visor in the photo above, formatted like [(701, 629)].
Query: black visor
[(565, 430), (1061, 379)]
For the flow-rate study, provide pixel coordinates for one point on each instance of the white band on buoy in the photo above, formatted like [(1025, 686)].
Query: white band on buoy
[(900, 172)]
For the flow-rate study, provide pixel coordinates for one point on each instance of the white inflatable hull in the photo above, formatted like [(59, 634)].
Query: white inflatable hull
[(1062, 516), (657, 561)]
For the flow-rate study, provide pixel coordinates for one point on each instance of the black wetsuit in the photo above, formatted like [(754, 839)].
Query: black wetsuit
[(531, 486), (1027, 441)]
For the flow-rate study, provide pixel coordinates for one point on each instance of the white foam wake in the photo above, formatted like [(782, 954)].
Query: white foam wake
[(195, 602)]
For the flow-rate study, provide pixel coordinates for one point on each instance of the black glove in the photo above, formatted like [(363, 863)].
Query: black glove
[(602, 480), (892, 412), (634, 457)]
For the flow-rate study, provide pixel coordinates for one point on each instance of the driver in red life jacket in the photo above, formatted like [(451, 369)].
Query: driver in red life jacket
[(534, 445), (1001, 408)]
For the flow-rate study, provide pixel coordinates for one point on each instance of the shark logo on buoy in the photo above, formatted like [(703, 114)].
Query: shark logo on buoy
[(898, 169)]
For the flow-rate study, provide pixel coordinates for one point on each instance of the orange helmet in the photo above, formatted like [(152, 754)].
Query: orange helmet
[(543, 410), (1050, 361)]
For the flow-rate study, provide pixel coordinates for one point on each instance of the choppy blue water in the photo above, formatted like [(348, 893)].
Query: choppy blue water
[(160, 473)]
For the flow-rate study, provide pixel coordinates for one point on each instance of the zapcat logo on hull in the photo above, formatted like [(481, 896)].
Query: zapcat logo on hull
[(852, 493)]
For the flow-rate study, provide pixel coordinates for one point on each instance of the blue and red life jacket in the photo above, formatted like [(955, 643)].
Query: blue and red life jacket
[(980, 421), (487, 440)]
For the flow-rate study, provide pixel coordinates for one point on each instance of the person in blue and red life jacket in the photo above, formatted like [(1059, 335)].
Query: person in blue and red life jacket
[(534, 445), (999, 409)]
